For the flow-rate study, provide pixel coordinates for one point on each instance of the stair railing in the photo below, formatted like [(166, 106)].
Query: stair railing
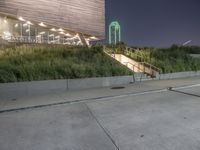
[(147, 68), (142, 60)]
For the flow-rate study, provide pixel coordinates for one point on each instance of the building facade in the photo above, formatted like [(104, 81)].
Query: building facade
[(52, 21)]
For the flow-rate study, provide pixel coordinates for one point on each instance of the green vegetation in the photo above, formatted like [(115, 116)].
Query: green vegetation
[(173, 59), (46, 62)]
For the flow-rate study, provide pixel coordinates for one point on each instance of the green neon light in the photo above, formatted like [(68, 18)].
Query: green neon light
[(114, 32)]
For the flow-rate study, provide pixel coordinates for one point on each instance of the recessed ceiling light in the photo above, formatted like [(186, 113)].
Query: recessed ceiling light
[(61, 30), (93, 38), (30, 23), (21, 19), (53, 29), (5, 20), (68, 34), (42, 24)]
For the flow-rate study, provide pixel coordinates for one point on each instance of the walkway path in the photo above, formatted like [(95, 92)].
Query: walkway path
[(142, 116)]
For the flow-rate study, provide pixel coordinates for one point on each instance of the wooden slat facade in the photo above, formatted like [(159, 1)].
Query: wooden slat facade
[(84, 16)]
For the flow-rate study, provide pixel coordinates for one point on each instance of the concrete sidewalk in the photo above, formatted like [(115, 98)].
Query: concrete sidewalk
[(106, 119), (91, 94)]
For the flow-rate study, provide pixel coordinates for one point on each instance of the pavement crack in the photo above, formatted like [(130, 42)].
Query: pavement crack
[(103, 128)]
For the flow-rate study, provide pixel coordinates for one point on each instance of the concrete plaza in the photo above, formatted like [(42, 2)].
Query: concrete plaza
[(142, 116)]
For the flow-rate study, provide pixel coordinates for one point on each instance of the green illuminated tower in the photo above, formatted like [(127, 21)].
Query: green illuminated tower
[(114, 32)]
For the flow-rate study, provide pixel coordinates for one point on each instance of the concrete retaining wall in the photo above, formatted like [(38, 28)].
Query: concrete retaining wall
[(22, 89), (179, 75), (142, 77)]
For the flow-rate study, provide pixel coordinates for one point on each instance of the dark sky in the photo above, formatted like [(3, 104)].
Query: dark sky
[(156, 23)]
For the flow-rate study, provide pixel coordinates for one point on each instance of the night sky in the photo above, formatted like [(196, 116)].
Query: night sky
[(156, 23)]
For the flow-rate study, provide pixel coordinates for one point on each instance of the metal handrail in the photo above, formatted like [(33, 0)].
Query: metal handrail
[(148, 64), (135, 66), (135, 54), (143, 71), (152, 68)]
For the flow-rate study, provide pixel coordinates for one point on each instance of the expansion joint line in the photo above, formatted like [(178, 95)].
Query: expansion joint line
[(81, 101), (185, 93), (101, 126)]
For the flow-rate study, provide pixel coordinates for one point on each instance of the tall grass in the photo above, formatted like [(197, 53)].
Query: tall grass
[(46, 62), (173, 59)]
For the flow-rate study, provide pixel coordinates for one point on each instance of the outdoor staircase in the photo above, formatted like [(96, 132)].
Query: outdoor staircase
[(142, 70)]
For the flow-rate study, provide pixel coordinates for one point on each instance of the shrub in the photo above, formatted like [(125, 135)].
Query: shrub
[(45, 62)]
